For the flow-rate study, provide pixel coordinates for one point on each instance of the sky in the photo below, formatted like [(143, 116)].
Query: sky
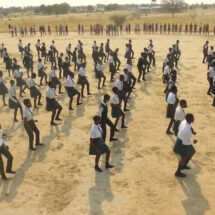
[(23, 3)]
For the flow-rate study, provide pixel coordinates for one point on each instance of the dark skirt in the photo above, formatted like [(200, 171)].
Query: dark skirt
[(34, 92), (183, 150), (175, 128), (82, 80), (126, 86), (169, 113), (52, 104), (55, 81), (121, 94), (20, 82), (112, 68), (99, 74), (41, 73), (100, 144), (71, 91), (3, 89), (14, 105), (116, 112)]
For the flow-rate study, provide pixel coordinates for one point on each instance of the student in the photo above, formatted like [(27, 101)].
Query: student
[(60, 64), (116, 111), (53, 78), (37, 45), (172, 102), (103, 113), (102, 55), (65, 66), (44, 52), (82, 80), (28, 63), (112, 68), (141, 66), (19, 81), (179, 115), (71, 91), (3, 88), (97, 144), (21, 49), (151, 54), (107, 47), (166, 73), (74, 58), (100, 74), (184, 146), (52, 104), (51, 56), (210, 77), (30, 126), (132, 78), (131, 49), (210, 56), (41, 72), (68, 51), (4, 150), (116, 60), (13, 101), (95, 56), (35, 93), (53, 47)]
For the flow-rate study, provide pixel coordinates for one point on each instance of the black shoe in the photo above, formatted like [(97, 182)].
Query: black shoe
[(39, 144), (123, 126), (58, 119), (108, 166), (126, 109), (98, 169), (117, 130), (180, 174), (113, 139), (186, 167), (11, 171), (169, 133), (53, 123), (4, 177), (32, 149), (79, 103)]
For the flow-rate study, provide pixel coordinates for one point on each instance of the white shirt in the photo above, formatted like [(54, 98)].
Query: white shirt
[(52, 73), (2, 80), (50, 93), (17, 73), (166, 60), (210, 52), (78, 46), (82, 71), (68, 48), (37, 45), (53, 45), (1, 139), (28, 113), (211, 72), (110, 59), (96, 131), (185, 133), (119, 84), (39, 65), (115, 99), (20, 44), (179, 114), (99, 67), (69, 82), (171, 99), (129, 67), (150, 49), (101, 109), (166, 70), (94, 46), (78, 61), (30, 82), (12, 93)]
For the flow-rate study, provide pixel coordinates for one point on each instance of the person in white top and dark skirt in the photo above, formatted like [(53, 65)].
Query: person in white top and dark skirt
[(13, 101), (71, 91), (30, 126), (41, 72), (3, 88), (184, 146), (99, 73), (52, 104), (97, 144), (53, 78), (4, 150), (35, 93), (210, 77)]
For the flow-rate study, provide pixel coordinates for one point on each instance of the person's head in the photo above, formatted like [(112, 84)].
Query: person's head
[(189, 118), (143, 55), (70, 45), (94, 42), (129, 61), (121, 77), (1, 73), (20, 40), (108, 40), (12, 82), (183, 103), (50, 84), (130, 41), (27, 103), (102, 44), (51, 47), (38, 40), (125, 71), (97, 119), (83, 65), (61, 54), (145, 50), (174, 72), (212, 48), (177, 41), (33, 75), (207, 42), (117, 50), (29, 44), (167, 63), (71, 74), (53, 41), (66, 58), (174, 78), (39, 60), (115, 90), (173, 89), (106, 98)]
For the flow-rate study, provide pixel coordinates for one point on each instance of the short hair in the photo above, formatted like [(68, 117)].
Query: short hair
[(26, 101), (96, 117), (106, 96), (114, 89), (183, 101), (189, 117)]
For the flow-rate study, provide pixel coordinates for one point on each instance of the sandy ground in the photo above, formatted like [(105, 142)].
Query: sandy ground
[(59, 178)]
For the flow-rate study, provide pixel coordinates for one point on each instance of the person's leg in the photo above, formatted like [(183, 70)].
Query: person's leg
[(82, 90), (70, 103), (3, 97), (39, 100), (104, 79), (53, 117), (58, 113), (108, 166), (181, 164), (140, 74), (104, 131), (116, 122), (15, 115), (88, 89), (187, 160), (123, 121), (97, 163), (99, 82), (37, 133), (35, 102), (9, 157), (170, 126), (2, 168), (31, 137), (112, 129)]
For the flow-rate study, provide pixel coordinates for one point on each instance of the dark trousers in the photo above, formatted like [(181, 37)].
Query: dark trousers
[(117, 63), (4, 151), (210, 84), (31, 134), (112, 128)]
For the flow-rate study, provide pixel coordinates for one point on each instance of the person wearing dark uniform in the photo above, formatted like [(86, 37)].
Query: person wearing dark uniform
[(68, 51), (66, 67), (35, 93), (103, 112), (4, 150), (30, 126), (13, 101), (71, 91), (41, 71), (102, 55), (107, 47), (205, 51), (112, 68), (44, 52), (97, 144), (28, 64), (60, 64), (142, 65), (116, 60), (3, 88), (52, 104), (51, 56), (74, 58), (184, 146), (210, 77), (100, 74), (21, 49), (131, 49), (53, 78)]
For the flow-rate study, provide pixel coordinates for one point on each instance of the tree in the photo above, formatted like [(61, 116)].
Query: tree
[(90, 8), (174, 6), (118, 19)]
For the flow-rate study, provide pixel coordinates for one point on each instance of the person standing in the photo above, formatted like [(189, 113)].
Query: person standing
[(210, 77), (4, 150), (97, 144), (184, 146), (30, 126), (103, 113), (3, 88), (205, 51), (100, 74)]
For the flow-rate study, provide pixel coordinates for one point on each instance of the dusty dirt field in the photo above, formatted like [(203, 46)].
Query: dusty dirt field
[(60, 179)]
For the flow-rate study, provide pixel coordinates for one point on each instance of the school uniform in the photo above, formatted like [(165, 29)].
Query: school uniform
[(33, 90), (3, 88), (53, 77), (4, 151), (18, 76), (99, 73), (171, 100), (13, 101), (116, 111), (41, 70), (121, 93), (21, 49), (211, 74), (166, 72), (78, 62), (184, 146), (179, 116), (96, 135), (82, 79), (28, 114), (70, 87), (51, 103), (65, 67), (27, 62)]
